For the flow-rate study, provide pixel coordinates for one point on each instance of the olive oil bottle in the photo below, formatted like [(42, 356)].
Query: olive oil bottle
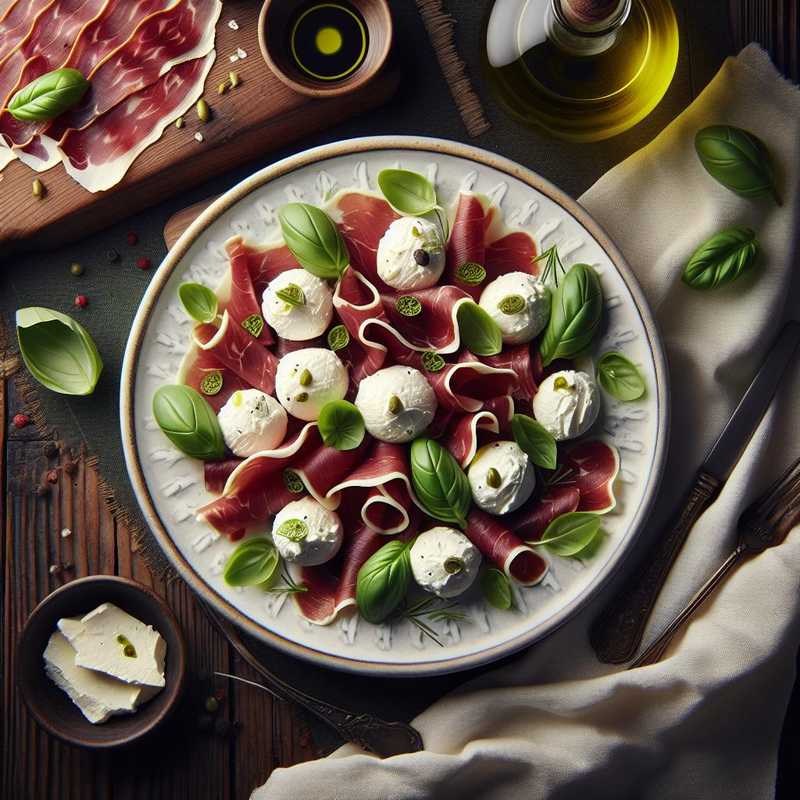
[(582, 70)]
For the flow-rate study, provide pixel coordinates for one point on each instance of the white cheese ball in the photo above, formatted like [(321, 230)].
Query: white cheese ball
[(567, 404), (252, 421), (308, 379), (501, 477), (527, 306), (411, 254), (444, 561), (306, 533), (397, 403), (303, 322)]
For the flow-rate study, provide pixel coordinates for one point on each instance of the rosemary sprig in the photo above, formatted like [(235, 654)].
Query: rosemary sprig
[(416, 613), (552, 264), (289, 586)]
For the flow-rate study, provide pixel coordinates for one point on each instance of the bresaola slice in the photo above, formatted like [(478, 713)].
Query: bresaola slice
[(216, 473), (467, 385), (471, 431), (263, 263), (526, 363), (530, 522), (238, 296), (592, 468), (199, 364), (15, 24)]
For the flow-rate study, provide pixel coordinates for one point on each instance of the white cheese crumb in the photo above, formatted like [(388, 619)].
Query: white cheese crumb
[(65, 533), (242, 53), (198, 136), (234, 58), (233, 24)]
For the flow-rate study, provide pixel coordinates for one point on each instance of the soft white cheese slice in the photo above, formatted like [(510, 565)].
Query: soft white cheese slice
[(98, 696), (97, 646)]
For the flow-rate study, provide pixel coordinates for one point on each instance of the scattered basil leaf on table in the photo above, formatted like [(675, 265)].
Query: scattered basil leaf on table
[(188, 421), (58, 351), (314, 240), (255, 562), (737, 159), (48, 95), (479, 333), (722, 258), (382, 581), (533, 439), (439, 482), (575, 313), (407, 192), (620, 377), (341, 425), (570, 533), (496, 588), (198, 301)]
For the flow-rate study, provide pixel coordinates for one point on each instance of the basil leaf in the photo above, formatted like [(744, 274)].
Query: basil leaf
[(439, 482), (58, 351), (383, 580), (737, 159), (620, 377), (721, 259), (407, 192), (535, 440), (479, 333), (496, 588), (341, 425), (49, 95), (314, 240), (575, 313), (188, 421), (570, 533), (254, 562), (198, 301)]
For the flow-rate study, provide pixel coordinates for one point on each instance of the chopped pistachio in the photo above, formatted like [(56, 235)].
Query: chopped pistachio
[(301, 398), (560, 383), (395, 405), (179, 123), (493, 478), (222, 88), (234, 79), (38, 188), (305, 378), (203, 110)]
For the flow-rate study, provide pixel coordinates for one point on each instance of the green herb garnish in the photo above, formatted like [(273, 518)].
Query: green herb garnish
[(253, 324), (432, 362), (314, 240), (570, 534), (292, 295), (211, 383), (338, 338), (620, 377), (407, 192), (441, 486), (254, 562), (293, 482), (496, 588), (48, 95), (408, 306), (479, 333), (471, 274), (512, 304), (341, 425), (198, 301), (295, 530), (722, 258), (383, 580), (534, 440), (188, 421)]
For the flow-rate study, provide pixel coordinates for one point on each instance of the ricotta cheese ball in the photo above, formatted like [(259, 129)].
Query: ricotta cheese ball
[(308, 379), (501, 477), (444, 561), (252, 421), (306, 533), (520, 305), (397, 403), (411, 254), (567, 404), (308, 316)]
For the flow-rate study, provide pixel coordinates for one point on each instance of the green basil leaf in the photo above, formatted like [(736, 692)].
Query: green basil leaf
[(721, 259), (570, 533), (188, 421), (338, 338), (575, 313), (737, 159), (620, 377), (479, 333), (407, 192), (49, 95), (383, 580), (255, 562), (58, 351), (198, 301), (496, 588), (534, 440), (341, 425), (439, 482), (314, 240)]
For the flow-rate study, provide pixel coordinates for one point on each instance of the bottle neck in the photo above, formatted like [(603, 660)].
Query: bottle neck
[(586, 27)]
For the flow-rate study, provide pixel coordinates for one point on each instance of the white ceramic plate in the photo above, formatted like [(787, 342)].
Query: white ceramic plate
[(170, 487)]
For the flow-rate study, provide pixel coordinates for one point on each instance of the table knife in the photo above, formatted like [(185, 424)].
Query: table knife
[(617, 632)]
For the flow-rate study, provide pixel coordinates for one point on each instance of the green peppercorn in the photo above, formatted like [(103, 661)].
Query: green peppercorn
[(76, 269)]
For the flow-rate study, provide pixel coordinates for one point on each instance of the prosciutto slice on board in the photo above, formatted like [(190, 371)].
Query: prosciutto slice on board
[(525, 361), (529, 523), (98, 157), (238, 296), (16, 22), (331, 590), (234, 347), (505, 549), (593, 465), (467, 385), (470, 431), (263, 263), (197, 364)]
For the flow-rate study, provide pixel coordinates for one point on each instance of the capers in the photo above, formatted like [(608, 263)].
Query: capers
[(560, 383), (180, 122), (422, 257), (453, 565), (493, 478)]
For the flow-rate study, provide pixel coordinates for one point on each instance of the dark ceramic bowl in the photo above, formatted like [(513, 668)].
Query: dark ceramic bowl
[(51, 707)]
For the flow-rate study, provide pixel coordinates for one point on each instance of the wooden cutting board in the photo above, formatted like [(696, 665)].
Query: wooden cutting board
[(261, 114)]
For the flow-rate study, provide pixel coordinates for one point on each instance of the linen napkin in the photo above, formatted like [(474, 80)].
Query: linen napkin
[(705, 721)]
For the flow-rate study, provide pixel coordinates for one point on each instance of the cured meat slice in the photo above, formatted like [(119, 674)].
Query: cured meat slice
[(526, 363), (98, 157), (513, 252), (238, 295), (469, 431), (466, 243), (15, 24), (216, 473), (326, 469), (263, 263), (331, 589), (198, 364), (364, 220), (530, 523), (505, 549), (593, 466), (234, 347), (467, 385)]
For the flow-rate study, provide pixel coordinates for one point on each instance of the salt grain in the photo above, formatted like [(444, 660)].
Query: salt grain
[(233, 24), (198, 136), (234, 58), (241, 53), (65, 533)]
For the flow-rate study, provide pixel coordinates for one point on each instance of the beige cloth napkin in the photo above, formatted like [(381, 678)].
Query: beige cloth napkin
[(705, 722)]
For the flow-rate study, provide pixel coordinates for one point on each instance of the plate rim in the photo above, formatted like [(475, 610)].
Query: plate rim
[(290, 164)]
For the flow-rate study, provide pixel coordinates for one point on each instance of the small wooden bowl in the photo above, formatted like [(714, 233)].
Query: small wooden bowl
[(51, 707), (273, 39)]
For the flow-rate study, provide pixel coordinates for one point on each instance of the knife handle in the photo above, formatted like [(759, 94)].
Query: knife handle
[(616, 634)]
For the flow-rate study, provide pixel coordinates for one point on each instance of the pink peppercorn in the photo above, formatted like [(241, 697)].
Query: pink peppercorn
[(52, 476), (133, 238), (81, 300), (21, 420), (144, 263)]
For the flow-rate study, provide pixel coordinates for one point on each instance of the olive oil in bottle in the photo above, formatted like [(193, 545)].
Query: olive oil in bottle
[(582, 70)]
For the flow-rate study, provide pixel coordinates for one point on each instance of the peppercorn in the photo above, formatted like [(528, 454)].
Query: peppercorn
[(21, 420), (422, 257), (52, 476), (76, 269), (144, 263), (81, 300), (133, 238), (212, 704)]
